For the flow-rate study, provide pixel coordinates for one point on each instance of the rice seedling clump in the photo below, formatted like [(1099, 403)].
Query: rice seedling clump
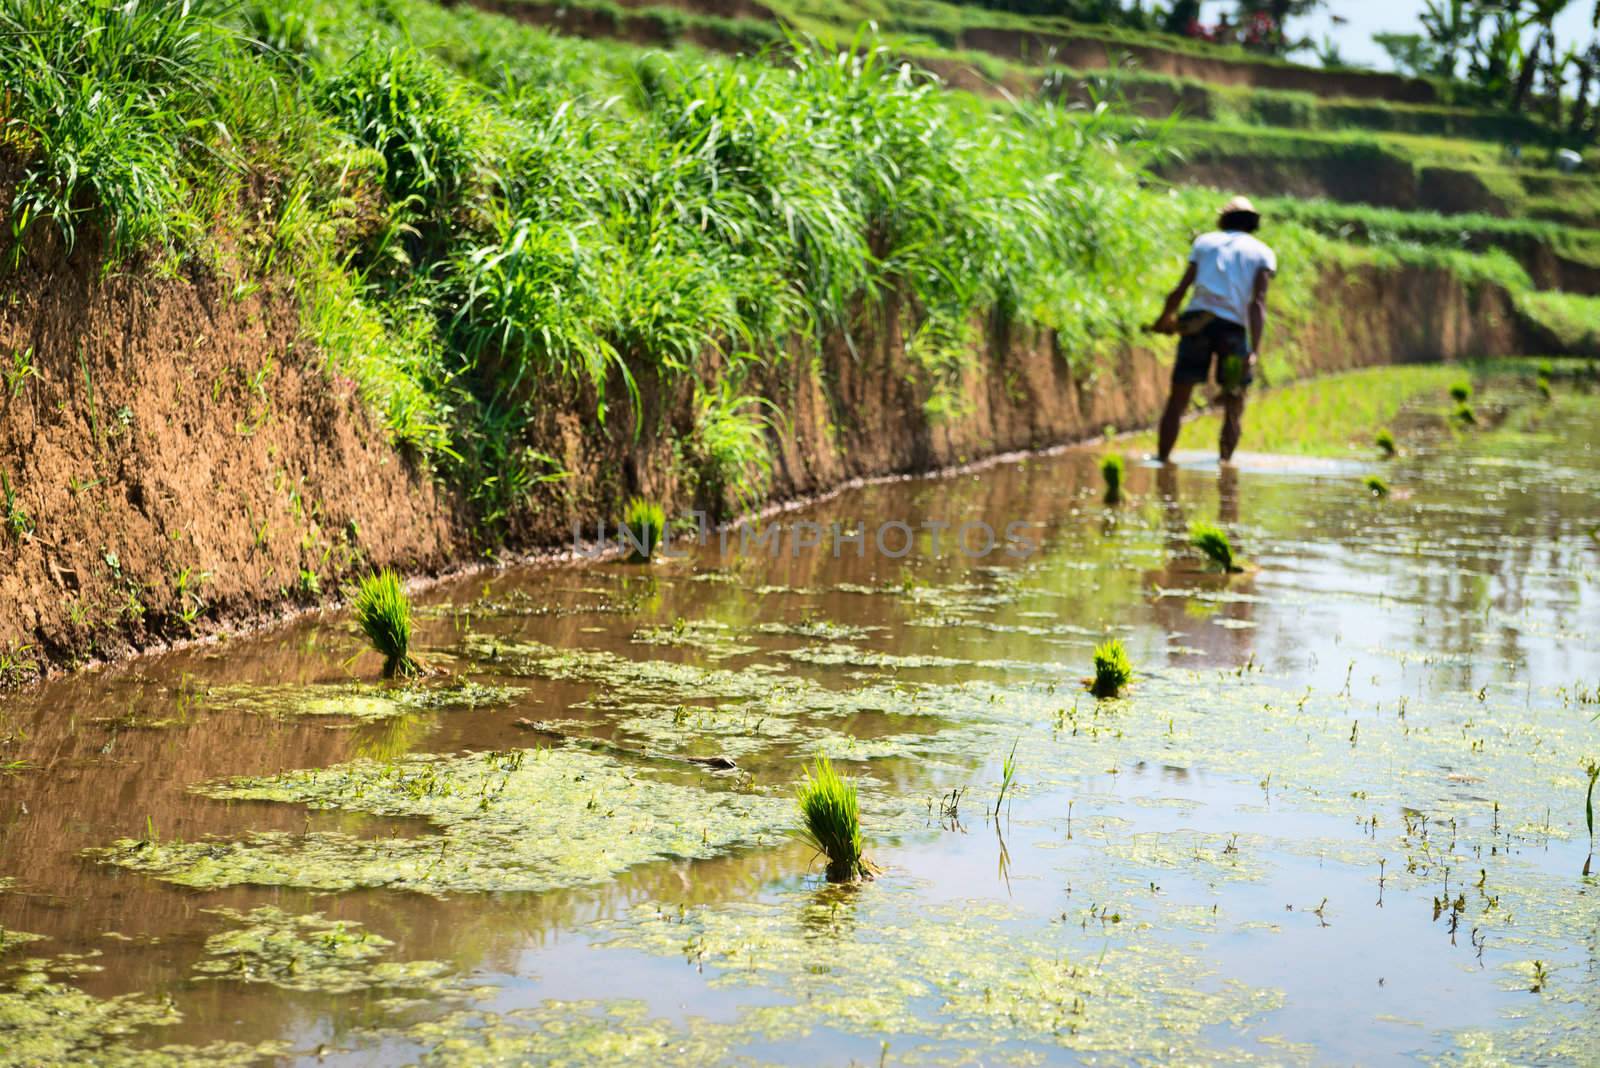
[(1112, 669), (1386, 443), (1464, 414), (384, 612), (642, 525), (1461, 392), (1112, 470), (1377, 486), (1211, 540), (831, 818)]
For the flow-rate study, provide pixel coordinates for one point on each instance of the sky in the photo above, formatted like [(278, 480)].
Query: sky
[(1367, 17)]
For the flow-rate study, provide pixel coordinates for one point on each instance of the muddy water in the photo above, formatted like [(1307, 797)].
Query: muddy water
[(1339, 817)]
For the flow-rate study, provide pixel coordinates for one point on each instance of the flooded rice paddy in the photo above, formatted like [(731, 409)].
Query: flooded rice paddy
[(1339, 817)]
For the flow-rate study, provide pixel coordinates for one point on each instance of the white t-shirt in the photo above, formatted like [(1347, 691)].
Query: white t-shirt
[(1226, 262)]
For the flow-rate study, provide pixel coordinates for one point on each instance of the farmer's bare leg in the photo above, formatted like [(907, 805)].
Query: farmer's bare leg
[(1172, 418), (1232, 423)]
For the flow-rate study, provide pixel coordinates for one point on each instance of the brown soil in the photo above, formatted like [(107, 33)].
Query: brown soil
[(173, 426)]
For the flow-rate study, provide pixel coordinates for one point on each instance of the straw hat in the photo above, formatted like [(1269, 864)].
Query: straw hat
[(1240, 205)]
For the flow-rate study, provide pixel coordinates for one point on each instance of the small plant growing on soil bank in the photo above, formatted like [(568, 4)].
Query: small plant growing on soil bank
[(1386, 443), (642, 525), (1377, 486), (831, 822), (1112, 469), (1211, 540), (1112, 669), (384, 612), (1461, 392), (1464, 414)]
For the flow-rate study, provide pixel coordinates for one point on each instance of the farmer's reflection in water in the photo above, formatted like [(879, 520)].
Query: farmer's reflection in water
[(1194, 602)]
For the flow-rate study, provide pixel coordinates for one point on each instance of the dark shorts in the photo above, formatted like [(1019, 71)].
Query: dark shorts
[(1221, 342)]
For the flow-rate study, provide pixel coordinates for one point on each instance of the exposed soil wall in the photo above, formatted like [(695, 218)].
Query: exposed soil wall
[(185, 463), (179, 461)]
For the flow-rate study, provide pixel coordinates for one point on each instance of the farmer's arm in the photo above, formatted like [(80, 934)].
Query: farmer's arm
[(1258, 308), (1175, 298)]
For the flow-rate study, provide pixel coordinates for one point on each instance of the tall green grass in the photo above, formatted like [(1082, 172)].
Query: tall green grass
[(127, 117)]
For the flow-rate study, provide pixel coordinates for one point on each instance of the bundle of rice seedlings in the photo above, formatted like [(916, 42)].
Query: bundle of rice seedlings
[(1112, 669), (1211, 540), (1464, 414), (384, 612), (1377, 486), (831, 822), (1112, 470), (643, 523), (1461, 392), (1386, 443)]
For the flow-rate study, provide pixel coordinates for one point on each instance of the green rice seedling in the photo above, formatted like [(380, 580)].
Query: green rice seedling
[(1593, 769), (642, 525), (1213, 541), (1464, 414), (1545, 369), (1386, 443), (1543, 386), (1461, 392), (1112, 668), (1377, 486), (1008, 773), (1112, 469), (384, 612), (831, 821)]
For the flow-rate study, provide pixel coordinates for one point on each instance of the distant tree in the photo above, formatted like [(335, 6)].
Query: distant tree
[(1451, 25), (1264, 24), (1411, 53), (1182, 17)]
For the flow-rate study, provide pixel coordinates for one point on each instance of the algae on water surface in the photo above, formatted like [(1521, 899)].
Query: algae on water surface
[(45, 1023), (537, 819), (312, 953)]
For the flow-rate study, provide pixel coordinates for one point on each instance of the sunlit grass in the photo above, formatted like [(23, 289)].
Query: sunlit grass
[(1333, 416)]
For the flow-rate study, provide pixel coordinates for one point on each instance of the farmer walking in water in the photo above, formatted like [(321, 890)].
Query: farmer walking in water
[(1222, 326)]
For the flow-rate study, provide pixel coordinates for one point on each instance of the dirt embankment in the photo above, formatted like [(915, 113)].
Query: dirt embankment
[(178, 460)]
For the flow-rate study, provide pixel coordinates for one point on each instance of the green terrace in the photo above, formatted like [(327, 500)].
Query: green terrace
[(1328, 141)]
